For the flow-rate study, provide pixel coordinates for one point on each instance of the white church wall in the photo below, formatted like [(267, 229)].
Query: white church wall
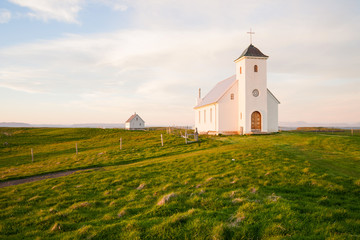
[(272, 114), (240, 76), (254, 80), (228, 111), (205, 118)]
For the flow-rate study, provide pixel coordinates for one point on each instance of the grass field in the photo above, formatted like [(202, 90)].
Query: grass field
[(293, 185)]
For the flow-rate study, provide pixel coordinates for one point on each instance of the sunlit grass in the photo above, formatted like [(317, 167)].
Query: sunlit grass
[(289, 185)]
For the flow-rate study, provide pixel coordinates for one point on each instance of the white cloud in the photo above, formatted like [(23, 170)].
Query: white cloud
[(157, 72), (60, 10), (5, 15), (157, 67), (130, 69), (117, 5)]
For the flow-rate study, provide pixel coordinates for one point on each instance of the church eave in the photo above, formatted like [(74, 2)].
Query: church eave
[(250, 57), (273, 96), (206, 105)]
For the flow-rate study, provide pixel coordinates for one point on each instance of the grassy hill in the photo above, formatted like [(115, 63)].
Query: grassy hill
[(291, 185)]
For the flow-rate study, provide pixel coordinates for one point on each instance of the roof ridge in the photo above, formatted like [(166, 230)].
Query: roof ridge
[(217, 91)]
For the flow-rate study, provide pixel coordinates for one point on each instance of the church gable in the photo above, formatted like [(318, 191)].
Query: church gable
[(217, 92)]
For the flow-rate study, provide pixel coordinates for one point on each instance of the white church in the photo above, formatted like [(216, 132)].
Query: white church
[(242, 103)]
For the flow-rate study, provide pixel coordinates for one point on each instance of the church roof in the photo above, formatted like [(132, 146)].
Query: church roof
[(271, 94), (252, 51), (220, 89), (217, 92)]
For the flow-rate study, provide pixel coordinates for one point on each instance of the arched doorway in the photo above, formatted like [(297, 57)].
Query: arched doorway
[(256, 122)]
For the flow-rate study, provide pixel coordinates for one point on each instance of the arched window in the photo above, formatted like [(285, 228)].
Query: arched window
[(255, 68), (240, 70), (232, 96)]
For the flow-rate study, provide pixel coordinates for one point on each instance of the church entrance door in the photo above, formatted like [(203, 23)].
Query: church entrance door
[(256, 122)]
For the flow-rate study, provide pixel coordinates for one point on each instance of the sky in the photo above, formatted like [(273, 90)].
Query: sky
[(99, 61)]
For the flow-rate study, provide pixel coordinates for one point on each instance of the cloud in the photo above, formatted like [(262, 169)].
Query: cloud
[(117, 5), (5, 15), (156, 72), (59, 10), (63, 10), (156, 67), (127, 70)]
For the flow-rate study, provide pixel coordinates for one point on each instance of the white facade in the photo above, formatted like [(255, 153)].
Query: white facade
[(272, 113), (135, 122), (240, 104)]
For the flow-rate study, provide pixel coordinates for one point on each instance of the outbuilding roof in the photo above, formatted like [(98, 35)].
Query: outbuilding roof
[(217, 92), (132, 117), (251, 51)]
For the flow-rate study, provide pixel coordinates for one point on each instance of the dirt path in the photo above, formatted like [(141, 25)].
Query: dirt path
[(42, 177), (131, 164)]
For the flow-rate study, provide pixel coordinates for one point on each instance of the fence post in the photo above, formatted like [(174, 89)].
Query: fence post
[(162, 141), (32, 155), (120, 143), (186, 136), (76, 148), (352, 132)]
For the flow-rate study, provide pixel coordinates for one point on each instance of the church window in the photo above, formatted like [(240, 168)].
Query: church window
[(204, 116), (240, 70), (255, 68), (241, 116), (232, 96), (199, 116), (211, 115)]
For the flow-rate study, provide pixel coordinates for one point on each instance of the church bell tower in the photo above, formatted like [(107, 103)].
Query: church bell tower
[(251, 74)]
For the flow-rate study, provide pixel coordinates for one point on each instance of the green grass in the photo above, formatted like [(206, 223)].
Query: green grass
[(54, 149), (283, 186)]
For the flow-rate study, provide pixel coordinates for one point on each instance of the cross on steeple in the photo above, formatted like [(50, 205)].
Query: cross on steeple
[(250, 35)]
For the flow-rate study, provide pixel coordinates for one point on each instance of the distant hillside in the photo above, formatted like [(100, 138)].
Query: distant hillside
[(293, 125), (83, 125), (14, 124)]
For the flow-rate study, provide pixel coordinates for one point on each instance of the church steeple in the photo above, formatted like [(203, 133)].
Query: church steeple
[(251, 51)]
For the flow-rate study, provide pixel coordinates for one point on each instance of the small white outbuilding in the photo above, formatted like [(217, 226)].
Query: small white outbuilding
[(135, 122)]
